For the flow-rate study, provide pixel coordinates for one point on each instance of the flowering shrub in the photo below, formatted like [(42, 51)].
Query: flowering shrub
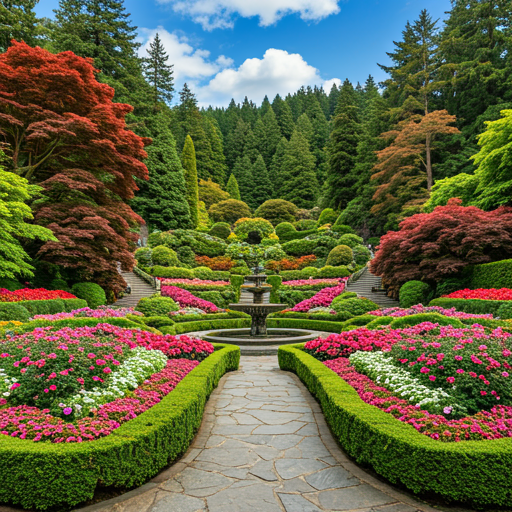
[(196, 284), (290, 263), (186, 300), (493, 424), (51, 374), (323, 298), (311, 282), (217, 263), (10, 323), (482, 293), (100, 312), (37, 294), (420, 308)]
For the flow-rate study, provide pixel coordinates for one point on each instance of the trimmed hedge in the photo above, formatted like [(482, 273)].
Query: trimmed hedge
[(205, 325), (492, 275), (477, 306), (25, 309), (477, 473), (275, 282), (91, 292), (236, 282), (13, 311), (156, 306), (414, 292), (435, 318), (44, 475), (299, 323)]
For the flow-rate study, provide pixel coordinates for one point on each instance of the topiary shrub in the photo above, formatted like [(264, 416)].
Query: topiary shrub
[(361, 254), (340, 228), (221, 230), (240, 271), (505, 311), (164, 256), (10, 284), (186, 255), (90, 292), (143, 256), (284, 228), (333, 272), (172, 272), (277, 211), (414, 292), (340, 255), (308, 272), (321, 252), (299, 247), (211, 193), (449, 286), (245, 226), (13, 311), (305, 225), (229, 211), (328, 216), (347, 295), (203, 273), (353, 306), (156, 306), (213, 296), (350, 239)]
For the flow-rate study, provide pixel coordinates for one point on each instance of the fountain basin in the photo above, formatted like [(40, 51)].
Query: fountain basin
[(243, 337), (258, 313)]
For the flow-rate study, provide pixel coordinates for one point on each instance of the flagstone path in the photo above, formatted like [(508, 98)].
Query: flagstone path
[(263, 446)]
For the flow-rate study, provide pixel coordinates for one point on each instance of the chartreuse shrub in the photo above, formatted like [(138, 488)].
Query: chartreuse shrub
[(328, 216), (172, 272), (275, 282), (505, 310), (90, 292), (299, 247), (414, 292), (46, 475), (204, 325), (236, 282), (164, 256), (302, 323), (475, 473), (333, 272), (284, 228), (350, 239), (340, 255), (245, 225), (361, 254), (308, 272), (156, 306), (28, 308), (353, 306), (305, 225)]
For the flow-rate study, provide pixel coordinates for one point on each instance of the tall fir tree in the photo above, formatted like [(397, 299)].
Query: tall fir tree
[(248, 112), (305, 127), (262, 185), (284, 116), (235, 143), (232, 188), (272, 135), (276, 168), (158, 72), (18, 21), (299, 183), (188, 161), (265, 106), (333, 99), (244, 177), (342, 150), (162, 201), (218, 168), (320, 127)]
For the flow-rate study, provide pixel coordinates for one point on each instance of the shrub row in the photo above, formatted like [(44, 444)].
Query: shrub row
[(476, 473), (324, 272), (492, 275), (187, 273), (205, 325), (470, 305), (44, 475), (25, 309), (299, 323)]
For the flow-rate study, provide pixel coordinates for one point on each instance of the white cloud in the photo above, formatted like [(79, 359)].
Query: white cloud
[(189, 63), (329, 83), (213, 14)]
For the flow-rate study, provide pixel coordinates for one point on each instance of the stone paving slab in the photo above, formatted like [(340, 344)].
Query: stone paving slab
[(263, 446)]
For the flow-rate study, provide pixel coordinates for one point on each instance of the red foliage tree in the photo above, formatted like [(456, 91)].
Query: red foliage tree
[(434, 246), (64, 132)]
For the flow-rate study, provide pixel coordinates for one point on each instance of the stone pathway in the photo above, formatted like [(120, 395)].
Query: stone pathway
[(263, 446)]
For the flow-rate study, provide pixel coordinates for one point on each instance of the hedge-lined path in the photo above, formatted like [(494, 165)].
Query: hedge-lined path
[(263, 446), (139, 288)]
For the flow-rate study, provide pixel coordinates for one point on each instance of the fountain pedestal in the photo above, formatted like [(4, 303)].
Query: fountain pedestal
[(258, 313)]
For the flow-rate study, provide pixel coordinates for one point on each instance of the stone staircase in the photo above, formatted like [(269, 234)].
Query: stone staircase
[(140, 289), (363, 287)]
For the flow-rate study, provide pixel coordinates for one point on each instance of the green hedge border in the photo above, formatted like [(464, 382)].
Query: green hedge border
[(304, 323), (46, 475), (477, 473)]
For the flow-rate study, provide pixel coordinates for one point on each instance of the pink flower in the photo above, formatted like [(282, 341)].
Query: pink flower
[(504, 374), (15, 385), (67, 411), (432, 377), (483, 393), (106, 370), (100, 362), (53, 387), (451, 380), (460, 370)]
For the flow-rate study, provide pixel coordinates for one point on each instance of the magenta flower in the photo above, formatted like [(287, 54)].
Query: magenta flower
[(67, 411)]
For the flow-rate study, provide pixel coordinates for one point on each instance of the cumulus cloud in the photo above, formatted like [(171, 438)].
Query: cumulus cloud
[(189, 63), (277, 72), (327, 85), (213, 14)]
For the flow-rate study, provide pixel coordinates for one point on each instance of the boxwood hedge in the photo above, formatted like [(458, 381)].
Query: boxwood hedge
[(470, 305), (44, 475), (476, 473)]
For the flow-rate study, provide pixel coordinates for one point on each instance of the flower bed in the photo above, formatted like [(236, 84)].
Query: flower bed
[(323, 298), (482, 293), (196, 284), (420, 309), (310, 284), (100, 312), (36, 294), (186, 300), (86, 376)]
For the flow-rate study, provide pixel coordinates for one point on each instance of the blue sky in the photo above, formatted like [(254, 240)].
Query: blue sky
[(233, 48)]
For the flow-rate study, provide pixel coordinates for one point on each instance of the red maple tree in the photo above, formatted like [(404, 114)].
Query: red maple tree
[(434, 246), (64, 132)]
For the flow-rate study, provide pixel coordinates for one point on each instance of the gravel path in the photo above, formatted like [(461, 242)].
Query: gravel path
[(263, 446)]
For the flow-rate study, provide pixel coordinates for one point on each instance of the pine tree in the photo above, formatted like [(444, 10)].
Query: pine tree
[(188, 160), (232, 188), (275, 171), (243, 173), (158, 73), (265, 106), (284, 116), (218, 161), (235, 143), (260, 135), (262, 186), (320, 134), (305, 127), (299, 183), (342, 150), (249, 112), (162, 201), (333, 99), (18, 22), (272, 136)]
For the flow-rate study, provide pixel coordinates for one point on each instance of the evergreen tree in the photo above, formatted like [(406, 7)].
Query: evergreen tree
[(342, 150), (249, 112), (299, 183), (275, 171), (305, 127), (218, 168), (272, 136), (284, 116), (232, 188), (265, 106), (333, 99), (162, 201), (251, 146), (158, 73), (262, 186), (231, 116), (259, 134), (18, 21), (235, 143), (320, 134), (188, 160), (244, 177)]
